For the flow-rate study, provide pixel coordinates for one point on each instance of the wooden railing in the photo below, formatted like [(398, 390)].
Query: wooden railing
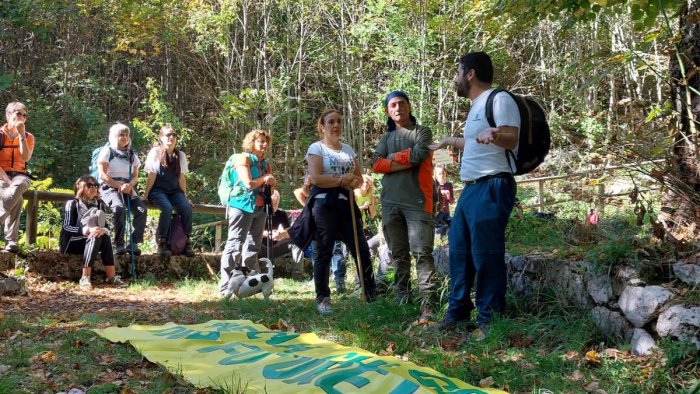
[(600, 195), (33, 197)]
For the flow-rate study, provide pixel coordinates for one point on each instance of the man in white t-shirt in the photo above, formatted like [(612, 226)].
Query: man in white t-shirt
[(477, 230)]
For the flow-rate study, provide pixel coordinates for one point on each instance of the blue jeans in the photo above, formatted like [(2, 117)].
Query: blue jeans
[(477, 249), (338, 261), (166, 202)]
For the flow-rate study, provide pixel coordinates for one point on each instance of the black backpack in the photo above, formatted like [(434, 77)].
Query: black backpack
[(533, 138)]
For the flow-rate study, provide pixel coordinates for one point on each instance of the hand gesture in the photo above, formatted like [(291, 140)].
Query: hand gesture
[(94, 232), (125, 188), (487, 136), (269, 180), (444, 142)]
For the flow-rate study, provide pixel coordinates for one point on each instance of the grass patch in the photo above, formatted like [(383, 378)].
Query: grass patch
[(524, 351)]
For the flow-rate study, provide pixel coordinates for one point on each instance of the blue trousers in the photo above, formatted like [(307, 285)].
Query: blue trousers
[(477, 249), (166, 202)]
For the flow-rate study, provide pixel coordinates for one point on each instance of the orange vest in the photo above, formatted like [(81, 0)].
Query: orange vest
[(10, 159)]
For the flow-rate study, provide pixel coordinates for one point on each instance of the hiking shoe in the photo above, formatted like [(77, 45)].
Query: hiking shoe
[(188, 250), (12, 247), (85, 283), (120, 250), (324, 307), (137, 251), (116, 280), (449, 324), (426, 314), (340, 286), (163, 249)]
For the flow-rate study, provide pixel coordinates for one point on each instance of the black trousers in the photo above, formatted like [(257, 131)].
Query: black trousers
[(332, 221), (89, 247)]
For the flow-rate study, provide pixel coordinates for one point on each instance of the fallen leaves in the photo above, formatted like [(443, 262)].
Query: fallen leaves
[(389, 351), (486, 382), (576, 376), (519, 341), (592, 358), (46, 357)]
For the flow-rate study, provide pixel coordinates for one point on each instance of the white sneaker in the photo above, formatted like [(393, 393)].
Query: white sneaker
[(12, 247), (85, 282), (324, 307)]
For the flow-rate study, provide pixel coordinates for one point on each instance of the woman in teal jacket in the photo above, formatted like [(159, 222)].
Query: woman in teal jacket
[(243, 179)]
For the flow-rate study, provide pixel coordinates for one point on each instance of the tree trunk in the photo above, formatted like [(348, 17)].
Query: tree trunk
[(680, 205)]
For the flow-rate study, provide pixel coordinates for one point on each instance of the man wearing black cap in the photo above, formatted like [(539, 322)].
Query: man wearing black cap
[(404, 158), (477, 229)]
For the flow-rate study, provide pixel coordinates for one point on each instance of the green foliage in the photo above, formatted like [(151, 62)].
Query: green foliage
[(159, 112)]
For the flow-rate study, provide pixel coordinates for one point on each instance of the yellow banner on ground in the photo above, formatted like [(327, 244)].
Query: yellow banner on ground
[(241, 356)]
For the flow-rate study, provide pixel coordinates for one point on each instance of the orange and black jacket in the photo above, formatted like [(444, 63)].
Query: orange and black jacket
[(411, 188)]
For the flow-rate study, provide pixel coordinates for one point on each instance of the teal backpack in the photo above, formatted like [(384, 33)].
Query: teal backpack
[(225, 189), (93, 171)]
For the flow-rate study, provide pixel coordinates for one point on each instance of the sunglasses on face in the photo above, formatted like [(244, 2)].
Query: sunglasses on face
[(170, 135), (91, 185), (21, 114)]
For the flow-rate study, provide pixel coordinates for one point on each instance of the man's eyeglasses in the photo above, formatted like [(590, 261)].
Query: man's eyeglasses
[(91, 185), (22, 114), (170, 135)]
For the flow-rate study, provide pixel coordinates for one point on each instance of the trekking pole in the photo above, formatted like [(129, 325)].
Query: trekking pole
[(129, 219), (267, 199), (358, 260), (129, 226), (131, 235)]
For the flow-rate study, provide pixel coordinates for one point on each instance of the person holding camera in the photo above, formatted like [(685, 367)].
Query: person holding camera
[(247, 180)]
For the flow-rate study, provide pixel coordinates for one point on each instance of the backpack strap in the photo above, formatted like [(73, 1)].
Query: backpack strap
[(510, 156), (489, 106)]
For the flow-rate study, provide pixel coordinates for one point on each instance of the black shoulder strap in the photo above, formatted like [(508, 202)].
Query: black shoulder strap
[(489, 107), (510, 156)]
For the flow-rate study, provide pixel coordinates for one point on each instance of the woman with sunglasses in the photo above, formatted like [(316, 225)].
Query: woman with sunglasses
[(17, 147), (166, 188), (84, 232)]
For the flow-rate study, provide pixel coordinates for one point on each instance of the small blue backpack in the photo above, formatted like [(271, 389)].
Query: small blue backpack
[(112, 153)]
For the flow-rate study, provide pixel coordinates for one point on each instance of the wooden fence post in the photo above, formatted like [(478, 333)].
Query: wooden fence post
[(217, 238), (31, 222), (601, 198), (540, 194)]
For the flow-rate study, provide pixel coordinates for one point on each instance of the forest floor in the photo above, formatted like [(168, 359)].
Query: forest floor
[(47, 344)]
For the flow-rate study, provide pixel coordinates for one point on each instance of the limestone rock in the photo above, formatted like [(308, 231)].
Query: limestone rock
[(642, 343), (600, 288), (12, 286), (687, 273), (641, 305), (622, 278), (679, 322), (611, 323), (7, 261)]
